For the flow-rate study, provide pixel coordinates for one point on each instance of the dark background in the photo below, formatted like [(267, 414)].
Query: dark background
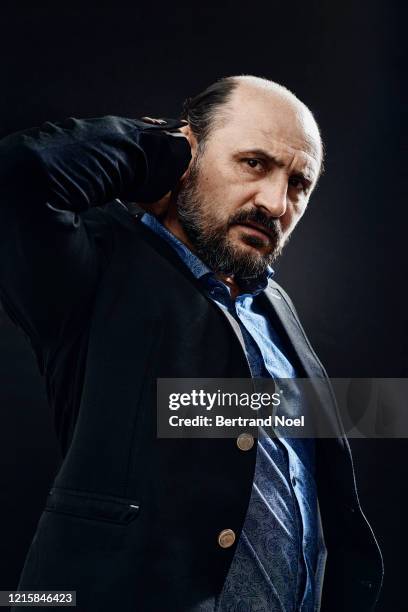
[(345, 267)]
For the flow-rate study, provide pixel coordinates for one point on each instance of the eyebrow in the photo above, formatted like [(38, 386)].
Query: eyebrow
[(278, 162)]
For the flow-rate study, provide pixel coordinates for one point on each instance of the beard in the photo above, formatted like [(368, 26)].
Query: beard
[(209, 238)]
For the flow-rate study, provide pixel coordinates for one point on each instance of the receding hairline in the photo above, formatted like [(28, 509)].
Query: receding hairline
[(263, 83), (266, 85), (211, 108)]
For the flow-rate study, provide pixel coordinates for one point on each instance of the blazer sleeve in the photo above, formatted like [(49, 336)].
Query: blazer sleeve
[(50, 261)]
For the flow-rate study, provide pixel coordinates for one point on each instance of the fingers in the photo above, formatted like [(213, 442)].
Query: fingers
[(176, 128), (164, 122), (175, 134), (159, 121), (154, 121), (179, 129)]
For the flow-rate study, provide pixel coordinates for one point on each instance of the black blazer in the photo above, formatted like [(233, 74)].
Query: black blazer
[(132, 521)]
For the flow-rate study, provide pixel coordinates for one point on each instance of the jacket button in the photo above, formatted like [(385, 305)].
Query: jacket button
[(245, 441), (226, 538)]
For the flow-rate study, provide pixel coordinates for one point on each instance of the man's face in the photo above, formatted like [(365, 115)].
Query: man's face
[(249, 187)]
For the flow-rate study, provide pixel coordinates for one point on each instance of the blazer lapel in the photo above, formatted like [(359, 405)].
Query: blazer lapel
[(328, 422), (294, 333)]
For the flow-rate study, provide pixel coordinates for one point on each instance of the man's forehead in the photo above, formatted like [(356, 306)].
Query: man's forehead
[(270, 119)]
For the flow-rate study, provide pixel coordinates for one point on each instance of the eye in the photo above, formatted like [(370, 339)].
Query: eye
[(299, 183), (254, 163)]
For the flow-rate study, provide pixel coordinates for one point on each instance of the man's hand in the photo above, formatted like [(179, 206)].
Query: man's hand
[(160, 207)]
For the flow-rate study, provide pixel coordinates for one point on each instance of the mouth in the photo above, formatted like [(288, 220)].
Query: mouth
[(257, 229)]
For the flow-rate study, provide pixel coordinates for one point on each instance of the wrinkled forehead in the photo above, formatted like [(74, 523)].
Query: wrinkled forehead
[(264, 119)]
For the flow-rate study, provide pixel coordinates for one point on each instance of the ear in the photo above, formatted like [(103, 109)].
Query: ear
[(188, 133)]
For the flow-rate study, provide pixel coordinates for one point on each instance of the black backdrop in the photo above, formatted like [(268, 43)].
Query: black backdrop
[(345, 267)]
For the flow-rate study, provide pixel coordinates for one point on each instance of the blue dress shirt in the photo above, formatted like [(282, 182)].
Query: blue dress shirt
[(276, 560)]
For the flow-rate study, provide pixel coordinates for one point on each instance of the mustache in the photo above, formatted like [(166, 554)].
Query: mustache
[(255, 215)]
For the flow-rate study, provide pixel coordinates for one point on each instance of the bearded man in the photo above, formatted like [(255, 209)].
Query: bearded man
[(113, 296)]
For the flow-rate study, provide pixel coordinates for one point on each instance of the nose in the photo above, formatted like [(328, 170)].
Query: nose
[(272, 196)]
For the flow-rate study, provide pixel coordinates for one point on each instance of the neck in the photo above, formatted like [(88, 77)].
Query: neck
[(171, 222), (231, 284)]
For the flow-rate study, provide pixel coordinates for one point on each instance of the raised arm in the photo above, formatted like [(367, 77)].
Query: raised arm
[(50, 254)]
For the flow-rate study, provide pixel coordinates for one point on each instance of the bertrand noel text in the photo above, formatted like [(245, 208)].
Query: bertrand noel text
[(220, 421)]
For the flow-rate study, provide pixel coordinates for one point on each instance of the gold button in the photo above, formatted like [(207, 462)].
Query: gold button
[(245, 441), (226, 538)]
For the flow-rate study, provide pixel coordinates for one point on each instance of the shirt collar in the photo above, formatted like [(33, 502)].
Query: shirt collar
[(198, 268)]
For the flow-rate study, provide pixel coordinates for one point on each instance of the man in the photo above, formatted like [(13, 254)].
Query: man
[(113, 299)]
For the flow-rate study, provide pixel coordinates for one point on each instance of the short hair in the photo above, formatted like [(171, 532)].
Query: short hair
[(202, 110)]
